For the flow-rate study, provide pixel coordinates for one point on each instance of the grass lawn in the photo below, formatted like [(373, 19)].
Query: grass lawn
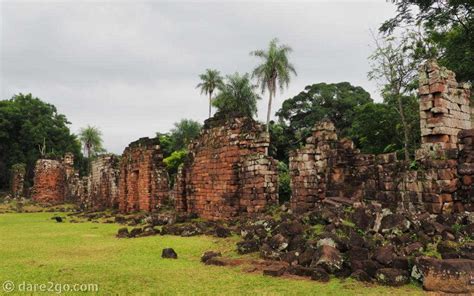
[(35, 249)]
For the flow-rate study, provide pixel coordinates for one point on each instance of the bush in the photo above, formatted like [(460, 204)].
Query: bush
[(284, 189)]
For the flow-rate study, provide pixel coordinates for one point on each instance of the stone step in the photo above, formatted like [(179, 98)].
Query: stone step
[(341, 200)]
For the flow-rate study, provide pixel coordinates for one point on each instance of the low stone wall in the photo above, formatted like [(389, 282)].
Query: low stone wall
[(143, 181), (227, 172)]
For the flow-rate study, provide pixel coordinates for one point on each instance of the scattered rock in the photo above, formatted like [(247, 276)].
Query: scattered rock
[(58, 219), (123, 233), (247, 246), (392, 277), (208, 255), (361, 276), (169, 253), (274, 270), (319, 274), (221, 231), (330, 259), (449, 275)]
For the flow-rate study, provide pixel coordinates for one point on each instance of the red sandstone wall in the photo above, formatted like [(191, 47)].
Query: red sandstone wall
[(49, 181), (227, 172), (143, 182)]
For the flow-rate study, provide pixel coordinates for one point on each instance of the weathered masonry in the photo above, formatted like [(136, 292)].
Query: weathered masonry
[(51, 179), (227, 172), (101, 185), (332, 170), (143, 181), (17, 182)]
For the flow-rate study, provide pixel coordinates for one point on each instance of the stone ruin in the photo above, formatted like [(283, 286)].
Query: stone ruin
[(227, 172), (136, 181), (99, 190), (332, 171), (51, 179), (143, 181), (17, 182)]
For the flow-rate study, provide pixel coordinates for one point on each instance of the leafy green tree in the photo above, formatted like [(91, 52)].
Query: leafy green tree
[(449, 25), (394, 66), (318, 101), (173, 161), (237, 96), (282, 141), (210, 81), (91, 139), (165, 144), (274, 71), (284, 180), (183, 133), (30, 129)]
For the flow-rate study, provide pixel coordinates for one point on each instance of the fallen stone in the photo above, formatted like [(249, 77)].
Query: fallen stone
[(392, 277), (330, 259), (320, 275), (274, 270), (209, 254), (221, 231), (169, 253), (136, 232), (123, 233), (58, 219), (247, 246), (449, 275), (361, 276), (384, 255)]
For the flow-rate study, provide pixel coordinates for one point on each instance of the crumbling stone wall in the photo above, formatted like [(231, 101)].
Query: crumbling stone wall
[(17, 183), (466, 169), (444, 107), (49, 181), (143, 181), (330, 170), (102, 188), (227, 171)]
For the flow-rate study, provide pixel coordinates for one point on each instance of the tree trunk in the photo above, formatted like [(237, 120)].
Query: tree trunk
[(405, 127), (269, 108), (210, 103)]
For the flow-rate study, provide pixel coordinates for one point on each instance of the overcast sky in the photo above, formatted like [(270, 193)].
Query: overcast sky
[(131, 68)]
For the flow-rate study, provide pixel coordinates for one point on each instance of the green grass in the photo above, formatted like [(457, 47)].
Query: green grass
[(35, 249)]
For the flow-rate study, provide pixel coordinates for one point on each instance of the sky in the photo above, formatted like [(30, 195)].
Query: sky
[(131, 68)]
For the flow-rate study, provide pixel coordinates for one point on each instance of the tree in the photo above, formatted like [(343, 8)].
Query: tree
[(183, 133), (336, 102), (447, 24), (275, 71), (28, 125), (91, 139), (394, 66), (210, 80), (237, 97), (377, 127)]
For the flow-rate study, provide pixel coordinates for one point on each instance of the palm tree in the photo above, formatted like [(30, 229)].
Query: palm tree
[(237, 96), (274, 70), (91, 138), (210, 80)]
